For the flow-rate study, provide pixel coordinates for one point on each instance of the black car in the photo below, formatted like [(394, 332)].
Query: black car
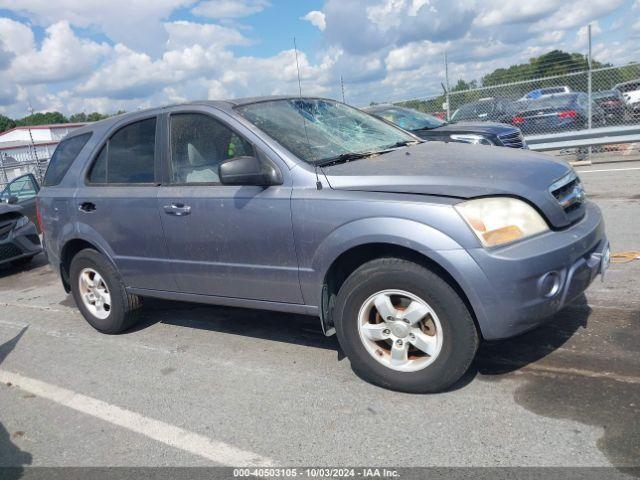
[(558, 113), (613, 104), (487, 109), (429, 127), (19, 239), (23, 191)]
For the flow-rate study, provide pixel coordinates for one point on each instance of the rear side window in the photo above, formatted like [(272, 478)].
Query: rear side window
[(128, 156), (63, 157)]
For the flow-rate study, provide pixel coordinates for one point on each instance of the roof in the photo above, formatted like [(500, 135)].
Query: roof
[(44, 127), (26, 143), (220, 104)]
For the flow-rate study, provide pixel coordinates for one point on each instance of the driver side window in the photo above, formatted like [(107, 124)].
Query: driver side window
[(22, 187), (199, 143)]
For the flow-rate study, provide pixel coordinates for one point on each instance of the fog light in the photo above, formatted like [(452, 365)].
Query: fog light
[(549, 284)]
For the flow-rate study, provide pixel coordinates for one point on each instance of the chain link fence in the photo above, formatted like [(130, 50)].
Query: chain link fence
[(589, 98), (12, 167)]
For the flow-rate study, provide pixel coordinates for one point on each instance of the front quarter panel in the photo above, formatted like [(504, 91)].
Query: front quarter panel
[(328, 223)]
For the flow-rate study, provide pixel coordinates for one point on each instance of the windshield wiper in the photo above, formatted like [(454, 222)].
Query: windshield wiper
[(403, 143), (345, 157)]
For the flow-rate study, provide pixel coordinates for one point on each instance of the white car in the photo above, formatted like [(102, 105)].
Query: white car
[(630, 91)]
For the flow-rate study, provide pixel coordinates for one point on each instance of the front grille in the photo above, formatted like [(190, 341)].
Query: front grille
[(5, 228), (569, 193), (512, 140), (9, 250)]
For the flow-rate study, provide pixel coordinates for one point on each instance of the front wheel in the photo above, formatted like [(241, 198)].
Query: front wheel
[(403, 327)]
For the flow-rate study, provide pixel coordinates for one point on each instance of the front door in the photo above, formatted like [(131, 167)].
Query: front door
[(24, 189), (118, 205), (229, 241)]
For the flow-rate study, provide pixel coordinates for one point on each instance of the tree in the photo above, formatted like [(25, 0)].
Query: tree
[(6, 123), (45, 118)]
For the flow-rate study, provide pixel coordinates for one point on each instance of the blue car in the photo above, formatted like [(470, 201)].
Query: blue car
[(412, 252), (558, 113)]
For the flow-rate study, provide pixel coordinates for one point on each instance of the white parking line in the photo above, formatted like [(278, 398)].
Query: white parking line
[(609, 170), (216, 451)]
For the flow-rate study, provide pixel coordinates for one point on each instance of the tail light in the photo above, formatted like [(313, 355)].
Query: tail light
[(39, 215), (518, 120), (568, 114)]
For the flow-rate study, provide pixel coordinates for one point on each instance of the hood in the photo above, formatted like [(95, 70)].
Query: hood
[(476, 127), (457, 170)]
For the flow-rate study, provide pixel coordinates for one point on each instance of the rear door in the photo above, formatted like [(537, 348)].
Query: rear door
[(229, 241), (118, 203)]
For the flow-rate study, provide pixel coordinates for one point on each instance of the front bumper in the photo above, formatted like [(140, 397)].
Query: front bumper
[(19, 243), (533, 279)]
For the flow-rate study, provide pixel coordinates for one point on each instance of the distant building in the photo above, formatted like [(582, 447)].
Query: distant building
[(29, 148)]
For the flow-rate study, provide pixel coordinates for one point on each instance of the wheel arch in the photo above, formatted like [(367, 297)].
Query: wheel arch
[(362, 240), (69, 250), (348, 261)]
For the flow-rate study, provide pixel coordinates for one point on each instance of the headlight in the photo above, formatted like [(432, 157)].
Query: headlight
[(500, 220), (22, 222), (471, 138)]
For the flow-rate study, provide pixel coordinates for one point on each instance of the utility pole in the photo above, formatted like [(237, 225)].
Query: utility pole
[(342, 88), (34, 152), (589, 66), (589, 87), (446, 81)]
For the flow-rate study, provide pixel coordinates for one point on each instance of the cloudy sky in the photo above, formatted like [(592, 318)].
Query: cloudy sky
[(88, 55)]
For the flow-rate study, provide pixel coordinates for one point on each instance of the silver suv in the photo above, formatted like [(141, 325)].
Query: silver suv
[(411, 251)]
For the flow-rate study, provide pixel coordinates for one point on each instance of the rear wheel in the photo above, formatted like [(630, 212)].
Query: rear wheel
[(100, 294), (403, 327)]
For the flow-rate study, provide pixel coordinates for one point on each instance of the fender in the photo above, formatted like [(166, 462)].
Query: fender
[(416, 236), (79, 231)]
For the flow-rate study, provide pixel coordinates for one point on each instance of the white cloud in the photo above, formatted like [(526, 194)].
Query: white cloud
[(384, 49), (183, 34), (229, 8), (16, 37), (316, 18), (583, 32), (63, 56), (137, 24)]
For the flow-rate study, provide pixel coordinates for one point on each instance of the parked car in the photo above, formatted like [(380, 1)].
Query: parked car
[(429, 127), (24, 190), (613, 105), (631, 93), (558, 113), (541, 92), (19, 240), (486, 109), (411, 251)]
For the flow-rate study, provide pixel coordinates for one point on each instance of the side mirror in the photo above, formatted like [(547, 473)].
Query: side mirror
[(248, 171), (12, 200)]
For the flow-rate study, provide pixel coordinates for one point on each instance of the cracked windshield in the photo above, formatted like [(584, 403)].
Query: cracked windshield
[(321, 131)]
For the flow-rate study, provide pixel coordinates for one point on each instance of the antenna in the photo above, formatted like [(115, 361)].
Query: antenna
[(342, 88), (304, 122)]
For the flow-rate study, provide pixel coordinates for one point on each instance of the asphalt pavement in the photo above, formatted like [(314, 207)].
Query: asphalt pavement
[(200, 385)]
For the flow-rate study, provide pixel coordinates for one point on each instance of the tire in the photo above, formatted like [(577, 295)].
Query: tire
[(123, 306), (458, 340)]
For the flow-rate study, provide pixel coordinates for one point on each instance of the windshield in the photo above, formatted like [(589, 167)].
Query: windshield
[(317, 130), (554, 101), (409, 119), (604, 94), (628, 87), (473, 110)]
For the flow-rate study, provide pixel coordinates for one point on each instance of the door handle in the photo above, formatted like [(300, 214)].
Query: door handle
[(177, 209), (87, 207)]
